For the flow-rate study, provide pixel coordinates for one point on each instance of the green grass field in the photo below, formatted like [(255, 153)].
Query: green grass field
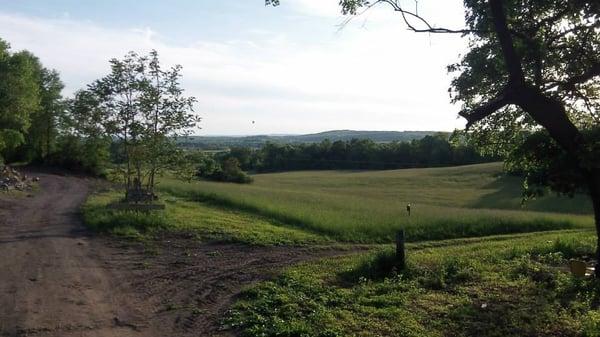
[(462, 278), (502, 286), (369, 207)]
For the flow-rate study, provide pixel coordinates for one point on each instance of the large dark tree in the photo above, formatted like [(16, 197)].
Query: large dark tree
[(532, 66)]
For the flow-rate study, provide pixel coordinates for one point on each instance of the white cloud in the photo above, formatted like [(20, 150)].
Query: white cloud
[(324, 8), (373, 76)]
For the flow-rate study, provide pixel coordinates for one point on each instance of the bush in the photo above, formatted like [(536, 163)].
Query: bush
[(228, 171), (378, 266), (448, 272), (79, 154), (591, 324)]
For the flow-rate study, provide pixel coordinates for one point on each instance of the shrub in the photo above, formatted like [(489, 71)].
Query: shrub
[(591, 324), (378, 266), (228, 171), (79, 154)]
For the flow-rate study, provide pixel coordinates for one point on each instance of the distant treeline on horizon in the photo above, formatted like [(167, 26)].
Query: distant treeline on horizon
[(257, 141), (360, 154)]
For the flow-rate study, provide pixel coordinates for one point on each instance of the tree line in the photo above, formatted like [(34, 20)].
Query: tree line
[(355, 154)]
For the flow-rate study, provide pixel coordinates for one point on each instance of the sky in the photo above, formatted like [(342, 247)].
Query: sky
[(260, 70)]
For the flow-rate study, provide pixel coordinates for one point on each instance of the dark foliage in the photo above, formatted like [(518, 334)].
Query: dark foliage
[(544, 164), (226, 169), (356, 154)]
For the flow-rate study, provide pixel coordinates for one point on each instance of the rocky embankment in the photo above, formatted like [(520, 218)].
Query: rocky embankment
[(11, 179)]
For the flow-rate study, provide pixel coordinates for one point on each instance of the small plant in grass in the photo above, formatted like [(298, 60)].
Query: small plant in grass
[(538, 272), (385, 265), (450, 272)]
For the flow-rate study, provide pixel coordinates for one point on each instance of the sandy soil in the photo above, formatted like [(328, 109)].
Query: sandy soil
[(57, 279)]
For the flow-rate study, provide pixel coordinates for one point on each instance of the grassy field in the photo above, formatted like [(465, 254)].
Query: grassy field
[(461, 278), (207, 223), (369, 207), (501, 286)]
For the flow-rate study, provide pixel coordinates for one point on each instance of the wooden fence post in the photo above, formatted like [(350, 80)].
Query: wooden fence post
[(400, 253)]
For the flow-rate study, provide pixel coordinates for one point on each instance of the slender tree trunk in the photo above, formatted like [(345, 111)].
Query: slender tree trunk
[(594, 186), (128, 160), (48, 136), (154, 140)]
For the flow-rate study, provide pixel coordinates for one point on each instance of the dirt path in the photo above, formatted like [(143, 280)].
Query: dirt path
[(57, 280)]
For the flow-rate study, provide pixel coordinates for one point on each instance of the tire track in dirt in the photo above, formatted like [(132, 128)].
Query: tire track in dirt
[(194, 285)]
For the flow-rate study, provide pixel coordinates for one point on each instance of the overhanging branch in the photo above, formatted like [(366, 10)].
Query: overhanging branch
[(511, 58), (428, 28), (487, 109)]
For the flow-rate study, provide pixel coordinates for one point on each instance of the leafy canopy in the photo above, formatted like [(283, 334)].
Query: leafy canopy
[(19, 95)]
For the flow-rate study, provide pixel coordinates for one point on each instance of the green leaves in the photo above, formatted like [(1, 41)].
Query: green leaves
[(10, 139), (142, 107), (19, 95)]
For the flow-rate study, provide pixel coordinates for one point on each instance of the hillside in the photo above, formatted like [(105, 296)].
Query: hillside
[(471, 279), (369, 206), (222, 142)]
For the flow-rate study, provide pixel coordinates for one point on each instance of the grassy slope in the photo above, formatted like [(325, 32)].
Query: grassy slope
[(499, 287), (370, 206), (510, 285), (207, 223)]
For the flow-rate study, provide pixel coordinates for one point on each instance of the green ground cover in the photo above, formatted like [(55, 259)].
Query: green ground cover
[(207, 223), (369, 207), (514, 286), (461, 278)]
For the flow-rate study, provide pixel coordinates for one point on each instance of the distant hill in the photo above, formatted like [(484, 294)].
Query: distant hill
[(376, 136), (223, 142)]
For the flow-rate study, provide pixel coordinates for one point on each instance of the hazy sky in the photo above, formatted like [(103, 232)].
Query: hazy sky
[(291, 69)]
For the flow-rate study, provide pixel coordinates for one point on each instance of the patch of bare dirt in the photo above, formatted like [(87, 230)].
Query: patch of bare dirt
[(193, 285)]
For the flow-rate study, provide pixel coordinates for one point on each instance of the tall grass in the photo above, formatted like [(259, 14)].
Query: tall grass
[(369, 207)]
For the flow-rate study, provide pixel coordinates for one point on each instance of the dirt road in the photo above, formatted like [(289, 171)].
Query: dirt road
[(58, 280), (55, 280)]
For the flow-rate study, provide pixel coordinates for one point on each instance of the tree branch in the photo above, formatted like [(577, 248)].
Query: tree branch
[(575, 29), (428, 27), (513, 63), (503, 99), (570, 83), (587, 75)]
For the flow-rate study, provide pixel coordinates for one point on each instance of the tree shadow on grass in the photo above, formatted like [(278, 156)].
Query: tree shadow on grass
[(507, 193)]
